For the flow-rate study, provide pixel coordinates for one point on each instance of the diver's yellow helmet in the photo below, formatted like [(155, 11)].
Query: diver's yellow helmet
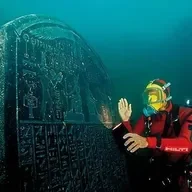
[(155, 97)]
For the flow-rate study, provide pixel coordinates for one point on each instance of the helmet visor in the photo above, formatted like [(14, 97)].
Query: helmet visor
[(152, 95)]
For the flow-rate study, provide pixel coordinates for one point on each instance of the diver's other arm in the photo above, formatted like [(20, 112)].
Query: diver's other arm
[(125, 127), (119, 130), (125, 111), (181, 144), (176, 145)]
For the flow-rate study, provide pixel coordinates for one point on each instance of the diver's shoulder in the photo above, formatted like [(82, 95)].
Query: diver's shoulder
[(184, 111)]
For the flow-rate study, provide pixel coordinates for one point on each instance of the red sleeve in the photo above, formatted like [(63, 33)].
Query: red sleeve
[(181, 144), (139, 127)]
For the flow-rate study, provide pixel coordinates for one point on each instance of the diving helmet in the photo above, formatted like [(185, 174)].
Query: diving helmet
[(155, 97)]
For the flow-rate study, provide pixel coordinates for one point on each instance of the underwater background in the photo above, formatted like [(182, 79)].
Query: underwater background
[(136, 40)]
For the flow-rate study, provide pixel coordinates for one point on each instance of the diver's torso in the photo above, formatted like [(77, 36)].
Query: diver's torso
[(157, 127)]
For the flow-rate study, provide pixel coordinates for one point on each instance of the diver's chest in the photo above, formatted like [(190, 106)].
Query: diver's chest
[(158, 125)]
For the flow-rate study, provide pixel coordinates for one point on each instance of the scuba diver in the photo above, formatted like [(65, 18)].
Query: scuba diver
[(164, 129)]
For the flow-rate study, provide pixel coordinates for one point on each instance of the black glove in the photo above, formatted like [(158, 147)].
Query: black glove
[(118, 134)]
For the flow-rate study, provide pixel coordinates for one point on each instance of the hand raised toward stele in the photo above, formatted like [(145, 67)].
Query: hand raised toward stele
[(124, 109), (135, 142)]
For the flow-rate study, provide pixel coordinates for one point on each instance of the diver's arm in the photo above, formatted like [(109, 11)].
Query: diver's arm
[(125, 127), (139, 127), (181, 144)]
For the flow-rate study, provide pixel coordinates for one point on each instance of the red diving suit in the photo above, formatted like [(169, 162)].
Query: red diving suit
[(176, 146), (180, 145)]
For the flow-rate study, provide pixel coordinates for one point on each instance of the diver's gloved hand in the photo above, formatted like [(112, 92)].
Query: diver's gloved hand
[(119, 132), (124, 109), (134, 142), (118, 135)]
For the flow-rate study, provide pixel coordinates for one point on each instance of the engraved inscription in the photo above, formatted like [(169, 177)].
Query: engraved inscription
[(63, 97)]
